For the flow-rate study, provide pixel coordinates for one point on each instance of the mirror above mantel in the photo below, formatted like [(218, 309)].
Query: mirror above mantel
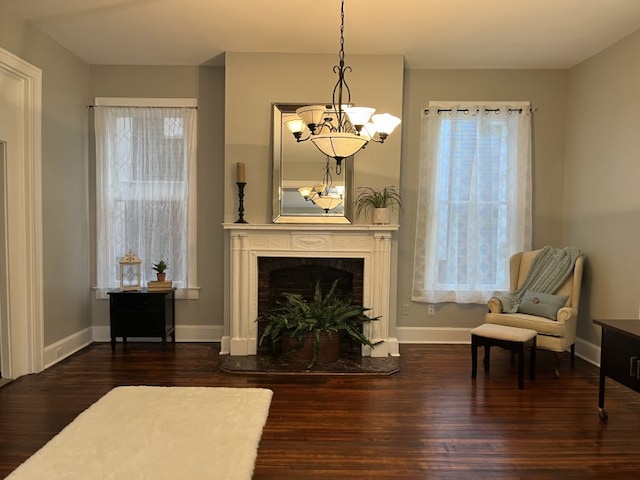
[(298, 165)]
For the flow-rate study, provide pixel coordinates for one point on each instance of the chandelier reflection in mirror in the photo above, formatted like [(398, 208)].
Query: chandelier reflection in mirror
[(324, 195), (341, 129)]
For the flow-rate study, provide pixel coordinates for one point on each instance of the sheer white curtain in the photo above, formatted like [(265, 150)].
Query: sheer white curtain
[(474, 199), (143, 160)]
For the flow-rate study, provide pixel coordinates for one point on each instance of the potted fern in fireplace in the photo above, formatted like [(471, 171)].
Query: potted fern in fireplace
[(310, 330)]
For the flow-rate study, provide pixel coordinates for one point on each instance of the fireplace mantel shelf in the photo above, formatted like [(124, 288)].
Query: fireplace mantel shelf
[(249, 242)]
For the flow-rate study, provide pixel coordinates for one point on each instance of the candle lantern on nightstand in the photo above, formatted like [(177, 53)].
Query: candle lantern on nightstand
[(130, 273)]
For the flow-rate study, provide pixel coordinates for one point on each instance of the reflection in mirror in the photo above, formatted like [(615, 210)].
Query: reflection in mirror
[(306, 188)]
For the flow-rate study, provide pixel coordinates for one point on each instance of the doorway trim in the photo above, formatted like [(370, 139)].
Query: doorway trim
[(23, 223)]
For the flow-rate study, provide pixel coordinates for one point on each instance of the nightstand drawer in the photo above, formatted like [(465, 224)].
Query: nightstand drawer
[(138, 303)]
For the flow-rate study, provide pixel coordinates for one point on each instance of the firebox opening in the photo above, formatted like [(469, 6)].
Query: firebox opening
[(278, 275)]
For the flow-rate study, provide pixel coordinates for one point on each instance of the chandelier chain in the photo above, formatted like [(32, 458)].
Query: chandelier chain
[(327, 179), (341, 53), (341, 86)]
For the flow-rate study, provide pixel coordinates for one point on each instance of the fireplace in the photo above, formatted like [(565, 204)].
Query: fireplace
[(266, 260)]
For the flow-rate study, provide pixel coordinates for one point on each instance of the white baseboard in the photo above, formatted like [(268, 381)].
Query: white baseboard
[(588, 351), (394, 346), (67, 346), (225, 345), (433, 335), (585, 350), (184, 333), (199, 333)]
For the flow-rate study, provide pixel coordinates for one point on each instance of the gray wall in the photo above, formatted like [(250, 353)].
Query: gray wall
[(65, 85), (254, 81), (207, 85), (546, 89), (601, 204)]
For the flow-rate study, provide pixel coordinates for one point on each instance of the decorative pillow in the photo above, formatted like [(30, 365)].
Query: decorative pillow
[(542, 304)]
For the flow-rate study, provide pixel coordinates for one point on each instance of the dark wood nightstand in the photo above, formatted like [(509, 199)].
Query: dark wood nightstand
[(142, 314), (619, 356)]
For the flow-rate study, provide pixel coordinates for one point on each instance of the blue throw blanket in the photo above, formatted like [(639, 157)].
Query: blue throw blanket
[(548, 272)]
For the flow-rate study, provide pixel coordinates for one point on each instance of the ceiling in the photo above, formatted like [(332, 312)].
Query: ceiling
[(429, 33)]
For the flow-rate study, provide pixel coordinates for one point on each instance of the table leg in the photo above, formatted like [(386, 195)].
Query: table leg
[(487, 355), (602, 413), (474, 356), (532, 360)]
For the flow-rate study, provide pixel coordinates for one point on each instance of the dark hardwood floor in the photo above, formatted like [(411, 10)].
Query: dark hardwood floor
[(429, 421)]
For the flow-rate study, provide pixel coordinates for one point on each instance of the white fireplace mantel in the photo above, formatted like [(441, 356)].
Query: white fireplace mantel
[(248, 242)]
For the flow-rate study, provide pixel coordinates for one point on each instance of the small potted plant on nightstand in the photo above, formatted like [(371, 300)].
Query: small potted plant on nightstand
[(160, 268), (380, 202)]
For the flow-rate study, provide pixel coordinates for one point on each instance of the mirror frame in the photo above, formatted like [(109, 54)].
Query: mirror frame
[(280, 215)]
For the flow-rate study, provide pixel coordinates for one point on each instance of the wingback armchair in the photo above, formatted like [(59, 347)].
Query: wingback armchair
[(555, 335)]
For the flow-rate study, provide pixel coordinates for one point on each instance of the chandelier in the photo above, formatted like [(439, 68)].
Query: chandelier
[(324, 195), (341, 129)]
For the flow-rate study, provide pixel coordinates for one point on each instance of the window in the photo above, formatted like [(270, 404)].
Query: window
[(145, 190), (474, 200)]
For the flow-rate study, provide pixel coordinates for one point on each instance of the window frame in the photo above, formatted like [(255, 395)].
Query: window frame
[(192, 289), (515, 221)]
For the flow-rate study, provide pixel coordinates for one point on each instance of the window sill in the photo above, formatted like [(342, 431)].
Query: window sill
[(191, 293)]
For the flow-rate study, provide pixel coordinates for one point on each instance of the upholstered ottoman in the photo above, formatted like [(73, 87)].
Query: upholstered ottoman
[(517, 340)]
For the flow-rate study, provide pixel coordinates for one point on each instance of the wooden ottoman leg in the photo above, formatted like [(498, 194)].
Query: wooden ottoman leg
[(487, 354), (521, 365), (532, 360)]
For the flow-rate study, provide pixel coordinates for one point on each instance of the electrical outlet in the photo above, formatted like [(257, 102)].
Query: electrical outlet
[(405, 309), (58, 352), (431, 310)]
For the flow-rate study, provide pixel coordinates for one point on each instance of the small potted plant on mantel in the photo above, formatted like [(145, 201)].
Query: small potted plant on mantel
[(160, 268), (309, 330), (380, 202)]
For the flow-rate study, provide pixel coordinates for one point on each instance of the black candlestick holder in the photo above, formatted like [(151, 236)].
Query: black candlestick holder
[(241, 202)]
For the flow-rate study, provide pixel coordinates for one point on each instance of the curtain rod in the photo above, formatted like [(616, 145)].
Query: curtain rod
[(497, 110), (141, 106)]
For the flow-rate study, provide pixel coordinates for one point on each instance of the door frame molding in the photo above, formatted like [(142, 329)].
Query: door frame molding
[(23, 223)]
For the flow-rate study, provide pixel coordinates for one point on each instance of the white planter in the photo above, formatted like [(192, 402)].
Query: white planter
[(381, 216)]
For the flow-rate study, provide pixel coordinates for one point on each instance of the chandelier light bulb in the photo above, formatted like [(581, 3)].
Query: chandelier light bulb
[(320, 187), (294, 123), (359, 116), (312, 115), (368, 131), (385, 123), (305, 191)]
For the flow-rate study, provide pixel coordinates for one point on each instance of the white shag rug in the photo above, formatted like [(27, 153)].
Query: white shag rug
[(141, 432)]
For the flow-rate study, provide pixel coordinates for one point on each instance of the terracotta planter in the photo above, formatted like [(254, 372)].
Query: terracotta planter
[(381, 216), (329, 348), (161, 276)]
